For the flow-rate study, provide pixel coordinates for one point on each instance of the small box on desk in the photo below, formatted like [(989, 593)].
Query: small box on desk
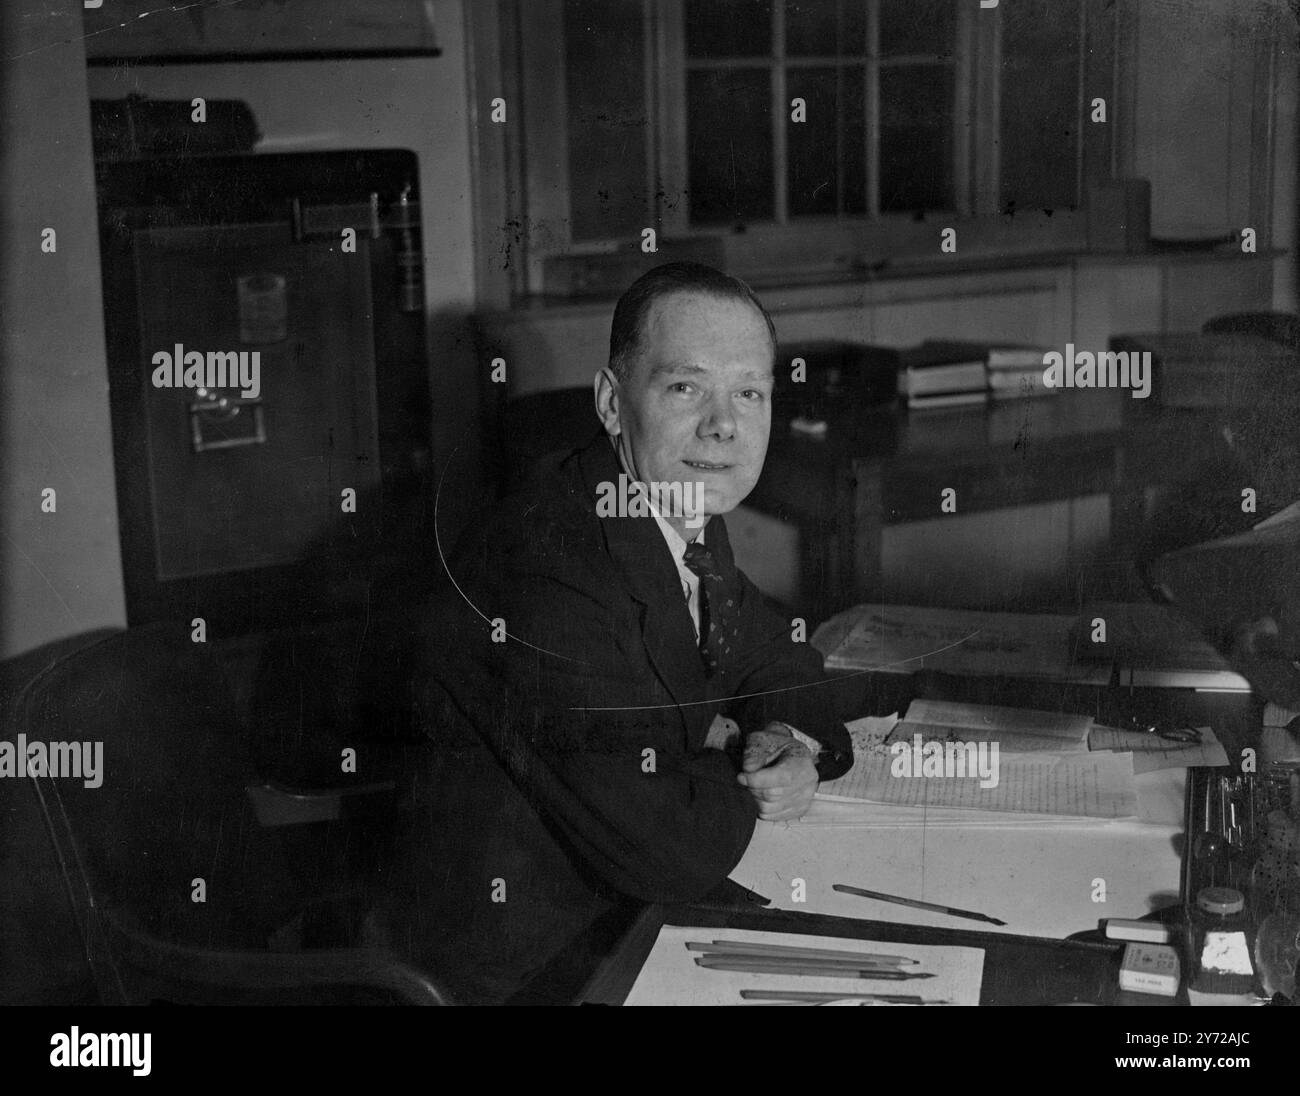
[(1150, 968)]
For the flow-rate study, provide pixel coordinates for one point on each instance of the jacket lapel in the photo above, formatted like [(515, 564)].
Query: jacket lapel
[(641, 555)]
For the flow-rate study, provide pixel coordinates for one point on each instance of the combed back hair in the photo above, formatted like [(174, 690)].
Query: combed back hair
[(632, 307)]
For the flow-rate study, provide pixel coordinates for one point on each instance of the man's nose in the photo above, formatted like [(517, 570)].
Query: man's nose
[(718, 420)]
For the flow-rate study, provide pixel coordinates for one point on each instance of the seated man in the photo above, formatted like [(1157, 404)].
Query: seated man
[(646, 702)]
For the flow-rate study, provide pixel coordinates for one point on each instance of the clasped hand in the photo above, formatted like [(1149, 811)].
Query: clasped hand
[(779, 773)]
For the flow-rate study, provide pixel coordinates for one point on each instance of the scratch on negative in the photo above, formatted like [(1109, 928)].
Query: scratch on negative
[(169, 10)]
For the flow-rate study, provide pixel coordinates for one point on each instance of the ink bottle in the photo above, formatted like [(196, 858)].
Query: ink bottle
[(1221, 940)]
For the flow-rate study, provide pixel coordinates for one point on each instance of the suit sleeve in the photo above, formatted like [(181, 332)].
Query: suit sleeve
[(789, 681), (570, 707)]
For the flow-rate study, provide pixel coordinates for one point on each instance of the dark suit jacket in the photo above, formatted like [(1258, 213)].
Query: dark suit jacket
[(595, 786)]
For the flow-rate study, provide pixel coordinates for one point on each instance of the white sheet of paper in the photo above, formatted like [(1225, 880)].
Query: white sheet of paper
[(1075, 785), (1152, 752), (906, 638), (1066, 729), (1087, 785), (1160, 794), (1035, 876), (670, 975)]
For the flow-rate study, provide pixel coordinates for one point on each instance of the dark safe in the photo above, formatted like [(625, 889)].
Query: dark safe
[(268, 381)]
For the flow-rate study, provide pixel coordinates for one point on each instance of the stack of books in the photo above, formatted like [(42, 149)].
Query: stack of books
[(943, 373), (940, 374), (1016, 371)]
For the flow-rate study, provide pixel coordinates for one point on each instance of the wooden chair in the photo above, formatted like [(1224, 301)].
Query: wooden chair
[(172, 822)]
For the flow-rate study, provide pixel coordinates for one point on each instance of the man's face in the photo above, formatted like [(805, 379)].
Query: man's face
[(696, 407)]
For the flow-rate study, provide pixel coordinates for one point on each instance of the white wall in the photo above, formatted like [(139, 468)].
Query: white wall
[(1196, 65), (1286, 169), (60, 573)]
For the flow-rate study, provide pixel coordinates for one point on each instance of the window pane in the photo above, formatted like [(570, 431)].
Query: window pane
[(607, 121), (729, 145), (825, 28), (918, 26), (728, 28), (1040, 96), (826, 154), (916, 117)]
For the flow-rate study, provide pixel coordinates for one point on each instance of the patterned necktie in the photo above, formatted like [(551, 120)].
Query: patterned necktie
[(718, 609)]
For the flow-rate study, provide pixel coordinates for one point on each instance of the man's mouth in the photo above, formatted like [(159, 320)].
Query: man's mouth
[(706, 466)]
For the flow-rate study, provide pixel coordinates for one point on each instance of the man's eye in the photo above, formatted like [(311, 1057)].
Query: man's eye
[(754, 394), (680, 386)]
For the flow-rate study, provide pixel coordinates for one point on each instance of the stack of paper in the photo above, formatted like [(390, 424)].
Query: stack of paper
[(903, 639), (1050, 768), (984, 764)]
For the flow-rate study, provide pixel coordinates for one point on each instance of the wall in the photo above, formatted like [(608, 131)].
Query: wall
[(1207, 83), (1188, 127), (1286, 168), (60, 573)]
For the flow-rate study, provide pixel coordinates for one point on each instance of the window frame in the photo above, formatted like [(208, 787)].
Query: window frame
[(525, 40), (778, 63)]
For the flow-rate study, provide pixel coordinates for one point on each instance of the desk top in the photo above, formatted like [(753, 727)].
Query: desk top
[(1017, 970), (1043, 881), (1076, 420)]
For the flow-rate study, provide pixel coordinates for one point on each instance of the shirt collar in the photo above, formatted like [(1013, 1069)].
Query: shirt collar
[(676, 542)]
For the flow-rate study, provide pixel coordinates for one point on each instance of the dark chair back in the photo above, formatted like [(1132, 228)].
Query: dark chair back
[(177, 892), (1279, 327), (543, 422)]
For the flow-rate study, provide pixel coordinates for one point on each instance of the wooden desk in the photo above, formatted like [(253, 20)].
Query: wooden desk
[(1018, 970), (887, 467), (1043, 880)]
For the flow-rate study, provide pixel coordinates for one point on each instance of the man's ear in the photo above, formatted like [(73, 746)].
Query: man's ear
[(606, 388)]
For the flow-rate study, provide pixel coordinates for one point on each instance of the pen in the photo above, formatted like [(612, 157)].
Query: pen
[(813, 970), (915, 904), (734, 947)]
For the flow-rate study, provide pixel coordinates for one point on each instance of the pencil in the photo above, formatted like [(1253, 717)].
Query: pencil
[(812, 996), (740, 947), (915, 904), (813, 970)]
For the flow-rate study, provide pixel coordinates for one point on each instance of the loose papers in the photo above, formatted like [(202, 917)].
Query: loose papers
[(1151, 752), (903, 639), (975, 759)]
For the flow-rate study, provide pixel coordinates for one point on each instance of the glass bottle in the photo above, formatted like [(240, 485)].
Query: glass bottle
[(1222, 942)]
